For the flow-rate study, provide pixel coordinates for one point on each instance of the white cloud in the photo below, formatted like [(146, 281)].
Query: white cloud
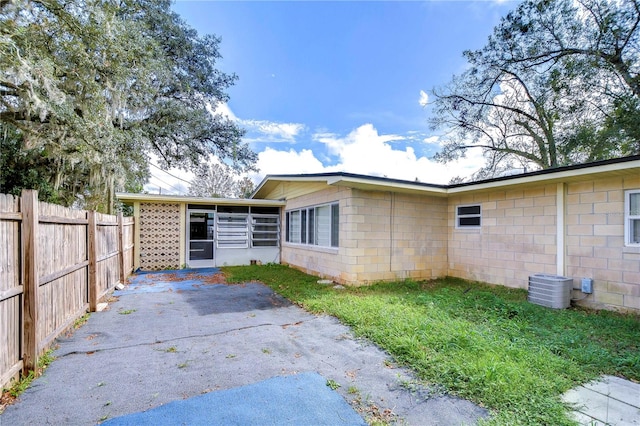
[(424, 98), (363, 151), (224, 110), (261, 130), (270, 131), (275, 162), (364, 137), (432, 140)]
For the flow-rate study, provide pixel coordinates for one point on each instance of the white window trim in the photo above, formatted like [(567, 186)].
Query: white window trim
[(458, 216), (629, 217)]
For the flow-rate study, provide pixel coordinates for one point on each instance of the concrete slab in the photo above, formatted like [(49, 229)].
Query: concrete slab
[(617, 388), (609, 400), (174, 336)]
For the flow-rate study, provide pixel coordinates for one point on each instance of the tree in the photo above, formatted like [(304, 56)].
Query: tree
[(21, 168), (245, 187), (93, 88), (556, 84), (216, 180), (500, 112)]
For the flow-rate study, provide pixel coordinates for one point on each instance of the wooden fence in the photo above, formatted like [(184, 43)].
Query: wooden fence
[(55, 265)]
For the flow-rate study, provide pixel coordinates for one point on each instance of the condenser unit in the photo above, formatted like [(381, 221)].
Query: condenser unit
[(552, 291)]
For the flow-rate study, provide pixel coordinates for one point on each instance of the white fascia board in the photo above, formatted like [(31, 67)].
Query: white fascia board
[(150, 198), (562, 176), (380, 185)]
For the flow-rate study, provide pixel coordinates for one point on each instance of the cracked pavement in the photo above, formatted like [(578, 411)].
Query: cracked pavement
[(149, 348)]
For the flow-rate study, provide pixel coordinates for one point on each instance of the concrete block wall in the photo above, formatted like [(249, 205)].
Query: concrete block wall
[(325, 262), (159, 236), (383, 236), (419, 240), (517, 237), (367, 244), (595, 246)]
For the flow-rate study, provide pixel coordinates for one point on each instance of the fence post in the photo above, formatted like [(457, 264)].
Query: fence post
[(123, 275), (29, 207), (92, 253)]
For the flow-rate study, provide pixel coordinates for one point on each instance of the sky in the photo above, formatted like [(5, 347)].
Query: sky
[(340, 86)]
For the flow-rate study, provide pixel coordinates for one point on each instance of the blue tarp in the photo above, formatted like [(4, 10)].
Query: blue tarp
[(302, 399)]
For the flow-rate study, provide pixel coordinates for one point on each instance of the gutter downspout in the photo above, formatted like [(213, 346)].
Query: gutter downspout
[(391, 223), (561, 214)]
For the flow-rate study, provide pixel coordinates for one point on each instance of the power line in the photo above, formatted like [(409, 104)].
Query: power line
[(173, 176), (166, 183)]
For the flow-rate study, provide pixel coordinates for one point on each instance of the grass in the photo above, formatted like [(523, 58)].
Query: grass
[(80, 321), (483, 343), (19, 386), (333, 384)]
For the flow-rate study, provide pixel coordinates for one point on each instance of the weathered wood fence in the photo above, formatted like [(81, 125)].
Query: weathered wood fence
[(55, 265)]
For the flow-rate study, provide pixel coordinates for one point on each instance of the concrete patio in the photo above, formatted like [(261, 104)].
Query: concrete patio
[(608, 401)]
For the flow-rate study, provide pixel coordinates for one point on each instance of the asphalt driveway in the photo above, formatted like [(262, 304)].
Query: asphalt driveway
[(183, 347)]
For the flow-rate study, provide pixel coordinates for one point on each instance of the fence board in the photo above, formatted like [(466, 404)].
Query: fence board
[(61, 301), (127, 244), (10, 289), (107, 251), (62, 245), (46, 275)]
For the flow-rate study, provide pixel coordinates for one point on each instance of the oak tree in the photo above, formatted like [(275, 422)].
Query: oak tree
[(90, 89), (557, 83)]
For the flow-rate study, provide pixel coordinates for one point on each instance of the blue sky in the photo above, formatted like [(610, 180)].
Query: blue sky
[(342, 86)]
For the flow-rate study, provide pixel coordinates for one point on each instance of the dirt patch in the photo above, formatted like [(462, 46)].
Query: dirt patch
[(6, 399), (216, 278)]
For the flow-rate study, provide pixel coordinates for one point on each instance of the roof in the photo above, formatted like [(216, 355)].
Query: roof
[(290, 186), (181, 199)]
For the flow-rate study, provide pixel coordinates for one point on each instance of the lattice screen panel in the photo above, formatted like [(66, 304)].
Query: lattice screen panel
[(159, 236)]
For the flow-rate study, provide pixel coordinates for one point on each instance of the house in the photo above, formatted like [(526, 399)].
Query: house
[(577, 221), (176, 231)]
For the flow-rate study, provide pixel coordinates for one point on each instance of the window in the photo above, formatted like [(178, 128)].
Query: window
[(294, 228), (319, 225), (232, 231), (235, 227), (632, 217), (468, 216), (265, 230)]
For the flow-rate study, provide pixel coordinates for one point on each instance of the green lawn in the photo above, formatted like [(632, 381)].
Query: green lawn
[(483, 343)]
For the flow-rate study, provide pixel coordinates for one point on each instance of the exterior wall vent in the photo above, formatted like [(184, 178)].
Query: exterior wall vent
[(552, 291)]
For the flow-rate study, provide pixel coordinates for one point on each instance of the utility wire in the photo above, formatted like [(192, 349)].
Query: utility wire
[(173, 176), (166, 183)]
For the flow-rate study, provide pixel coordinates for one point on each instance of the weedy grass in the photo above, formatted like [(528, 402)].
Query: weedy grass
[(82, 320), (19, 386), (484, 343)]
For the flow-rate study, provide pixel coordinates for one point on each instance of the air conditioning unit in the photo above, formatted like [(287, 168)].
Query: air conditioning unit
[(552, 291)]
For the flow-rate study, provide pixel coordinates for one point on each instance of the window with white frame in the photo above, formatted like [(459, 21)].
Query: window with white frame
[(232, 230), (265, 230), (632, 217), (317, 225), (469, 216), (241, 227)]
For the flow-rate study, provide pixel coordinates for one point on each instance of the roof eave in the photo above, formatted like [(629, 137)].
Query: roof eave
[(566, 174), (150, 198)]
